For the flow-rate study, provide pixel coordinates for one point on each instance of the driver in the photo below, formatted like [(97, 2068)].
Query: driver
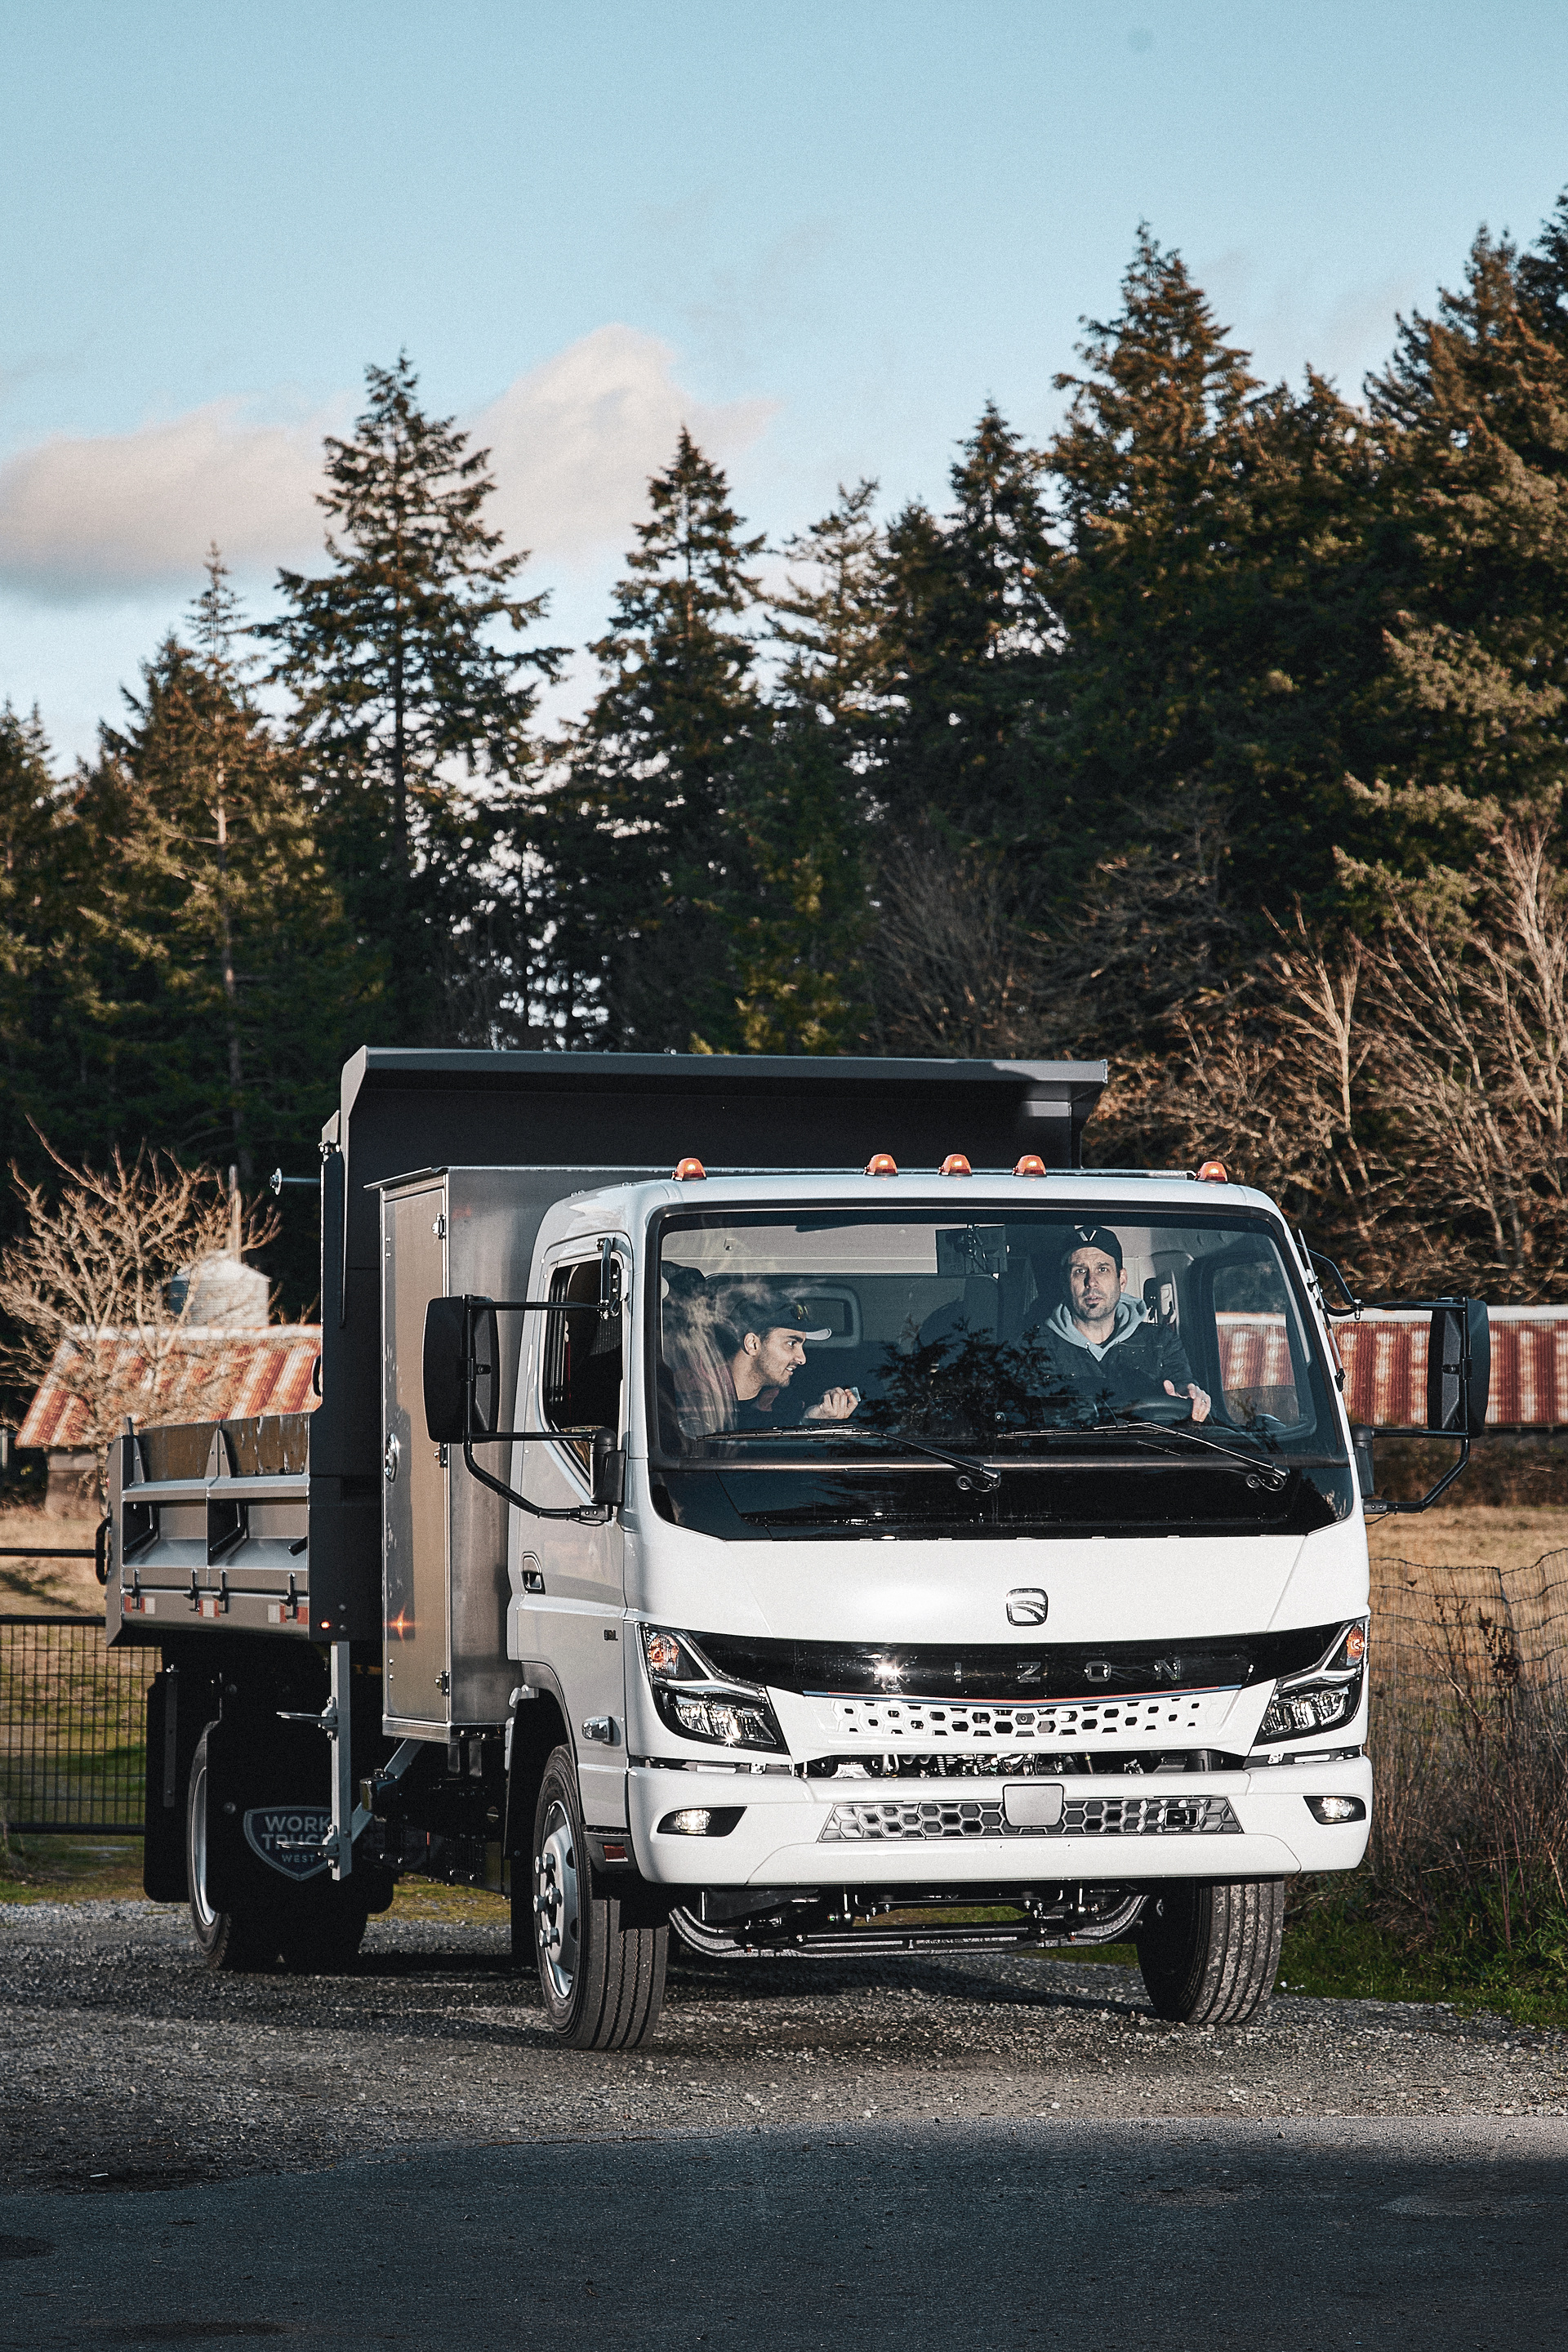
[(760, 1342), (1103, 1343)]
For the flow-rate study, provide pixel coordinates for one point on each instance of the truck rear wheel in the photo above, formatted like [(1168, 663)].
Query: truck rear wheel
[(603, 1982), (228, 1940), (1209, 1951)]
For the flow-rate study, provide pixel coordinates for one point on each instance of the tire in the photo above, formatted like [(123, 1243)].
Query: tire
[(227, 1939), (1209, 1951), (602, 1983), (324, 1928)]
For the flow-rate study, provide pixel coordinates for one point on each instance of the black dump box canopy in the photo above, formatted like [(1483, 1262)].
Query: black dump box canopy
[(405, 1110)]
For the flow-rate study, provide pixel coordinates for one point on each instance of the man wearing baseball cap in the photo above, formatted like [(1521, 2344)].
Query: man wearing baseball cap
[(1104, 1343), (761, 1334)]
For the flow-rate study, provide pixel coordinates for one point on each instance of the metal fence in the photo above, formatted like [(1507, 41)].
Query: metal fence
[(73, 1718)]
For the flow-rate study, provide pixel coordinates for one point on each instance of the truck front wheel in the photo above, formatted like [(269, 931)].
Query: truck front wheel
[(603, 1982), (228, 1940), (1208, 1952)]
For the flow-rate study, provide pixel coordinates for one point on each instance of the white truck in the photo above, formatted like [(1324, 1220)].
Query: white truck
[(775, 1505)]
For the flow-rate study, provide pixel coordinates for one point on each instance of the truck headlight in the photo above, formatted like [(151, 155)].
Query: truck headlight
[(1324, 1698), (697, 1701)]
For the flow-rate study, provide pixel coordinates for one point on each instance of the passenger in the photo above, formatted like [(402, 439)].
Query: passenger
[(738, 1353), (1103, 1343)]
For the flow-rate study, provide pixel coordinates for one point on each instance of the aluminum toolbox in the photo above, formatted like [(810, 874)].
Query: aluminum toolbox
[(443, 1233)]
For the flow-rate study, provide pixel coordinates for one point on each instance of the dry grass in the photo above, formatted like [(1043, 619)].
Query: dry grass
[(1506, 1538), (1470, 1843)]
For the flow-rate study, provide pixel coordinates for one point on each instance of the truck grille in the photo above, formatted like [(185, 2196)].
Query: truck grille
[(1070, 1724), (973, 1817)]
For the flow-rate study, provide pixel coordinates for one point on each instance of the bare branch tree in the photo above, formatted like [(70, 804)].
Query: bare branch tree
[(87, 1289), (954, 968)]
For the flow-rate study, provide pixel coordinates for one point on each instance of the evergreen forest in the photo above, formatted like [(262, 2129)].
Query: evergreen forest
[(1226, 736)]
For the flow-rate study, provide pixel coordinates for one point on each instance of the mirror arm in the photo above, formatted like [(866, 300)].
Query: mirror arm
[(593, 1515), (1354, 1305), (1374, 1509)]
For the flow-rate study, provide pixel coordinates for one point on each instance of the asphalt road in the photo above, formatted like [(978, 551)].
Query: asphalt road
[(968, 2152)]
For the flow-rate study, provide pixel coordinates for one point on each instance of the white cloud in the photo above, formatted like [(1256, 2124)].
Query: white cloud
[(127, 510), (573, 443)]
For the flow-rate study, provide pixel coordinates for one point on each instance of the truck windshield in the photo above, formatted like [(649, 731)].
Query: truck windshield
[(1020, 1337)]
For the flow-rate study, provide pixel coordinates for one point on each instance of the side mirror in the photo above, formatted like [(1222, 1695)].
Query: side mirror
[(461, 1369), (1459, 1367), (608, 1471), (446, 1370)]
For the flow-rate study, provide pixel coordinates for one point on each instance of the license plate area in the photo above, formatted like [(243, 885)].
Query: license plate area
[(1033, 1804)]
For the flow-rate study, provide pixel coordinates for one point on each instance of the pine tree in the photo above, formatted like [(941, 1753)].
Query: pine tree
[(646, 862), (798, 931), (1224, 597), (967, 639), (227, 987), (1152, 467), (831, 620), (44, 987), (1474, 411), (401, 674)]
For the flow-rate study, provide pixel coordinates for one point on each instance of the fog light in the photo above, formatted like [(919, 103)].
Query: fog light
[(700, 1821), (1337, 1809)]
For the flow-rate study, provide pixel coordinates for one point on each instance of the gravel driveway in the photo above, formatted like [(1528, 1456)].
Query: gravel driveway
[(125, 2065)]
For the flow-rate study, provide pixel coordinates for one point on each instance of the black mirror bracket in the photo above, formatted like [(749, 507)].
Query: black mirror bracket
[(453, 1368), (588, 1515), (1375, 1507)]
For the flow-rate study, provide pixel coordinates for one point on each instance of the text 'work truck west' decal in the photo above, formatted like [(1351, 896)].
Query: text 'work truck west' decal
[(289, 1837)]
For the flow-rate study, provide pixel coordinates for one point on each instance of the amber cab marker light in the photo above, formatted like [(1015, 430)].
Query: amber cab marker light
[(881, 1163), (1031, 1165), (691, 1172), (955, 1164), (1213, 1172)]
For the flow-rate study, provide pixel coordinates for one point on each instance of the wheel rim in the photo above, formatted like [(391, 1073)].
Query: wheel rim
[(555, 1902), (207, 1917)]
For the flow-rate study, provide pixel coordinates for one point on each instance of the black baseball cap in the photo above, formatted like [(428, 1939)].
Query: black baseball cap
[(763, 1307), (1100, 1237)]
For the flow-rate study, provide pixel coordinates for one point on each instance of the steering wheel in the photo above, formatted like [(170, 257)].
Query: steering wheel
[(1166, 1410)]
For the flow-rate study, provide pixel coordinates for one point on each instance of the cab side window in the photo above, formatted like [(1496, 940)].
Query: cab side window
[(582, 1359), (1253, 1326)]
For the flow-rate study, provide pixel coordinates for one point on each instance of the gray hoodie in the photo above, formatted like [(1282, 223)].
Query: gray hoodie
[(1130, 1314)]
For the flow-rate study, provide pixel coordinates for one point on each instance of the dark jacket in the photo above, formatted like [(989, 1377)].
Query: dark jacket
[(1136, 1365)]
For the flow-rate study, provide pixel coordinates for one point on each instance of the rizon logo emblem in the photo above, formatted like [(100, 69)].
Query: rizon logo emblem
[(289, 1837)]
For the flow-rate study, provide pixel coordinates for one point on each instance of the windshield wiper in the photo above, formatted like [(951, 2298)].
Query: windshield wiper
[(976, 1475), (1268, 1473)]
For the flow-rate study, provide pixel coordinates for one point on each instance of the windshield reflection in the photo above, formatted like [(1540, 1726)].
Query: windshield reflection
[(1003, 1334)]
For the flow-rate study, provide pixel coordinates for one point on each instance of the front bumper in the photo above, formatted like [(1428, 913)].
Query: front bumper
[(1115, 1828)]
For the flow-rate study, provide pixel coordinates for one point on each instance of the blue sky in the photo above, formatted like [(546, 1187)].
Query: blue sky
[(824, 234)]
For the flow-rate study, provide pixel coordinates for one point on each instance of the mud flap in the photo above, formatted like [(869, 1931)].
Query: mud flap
[(268, 1809), (179, 1706)]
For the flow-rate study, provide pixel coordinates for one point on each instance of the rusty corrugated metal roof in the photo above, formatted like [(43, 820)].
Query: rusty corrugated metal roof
[(213, 1374), (1384, 1351), (1384, 1356)]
